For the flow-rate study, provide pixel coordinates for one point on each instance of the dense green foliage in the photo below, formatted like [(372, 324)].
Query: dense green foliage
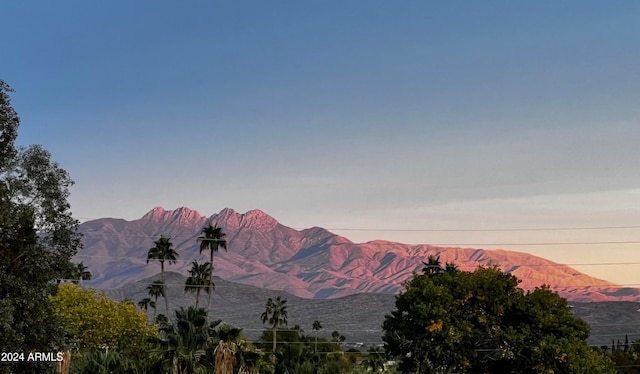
[(481, 322), (625, 355), (38, 237), (297, 352)]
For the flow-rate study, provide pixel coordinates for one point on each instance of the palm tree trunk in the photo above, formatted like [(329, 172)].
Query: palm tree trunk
[(197, 296), (274, 340), (164, 285), (210, 283)]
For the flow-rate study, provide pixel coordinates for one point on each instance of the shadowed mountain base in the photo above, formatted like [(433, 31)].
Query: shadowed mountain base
[(358, 317)]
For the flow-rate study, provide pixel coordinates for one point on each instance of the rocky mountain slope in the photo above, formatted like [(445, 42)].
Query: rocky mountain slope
[(310, 263)]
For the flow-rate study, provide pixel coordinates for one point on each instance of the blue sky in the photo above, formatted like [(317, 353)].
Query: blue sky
[(362, 114)]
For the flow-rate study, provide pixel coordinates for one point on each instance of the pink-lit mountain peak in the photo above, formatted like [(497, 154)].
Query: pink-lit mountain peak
[(254, 219), (182, 214), (312, 262), (225, 213), (259, 220), (154, 213)]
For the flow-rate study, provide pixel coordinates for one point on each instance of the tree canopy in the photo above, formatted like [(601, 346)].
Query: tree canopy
[(92, 320), (38, 237), (276, 315), (481, 322)]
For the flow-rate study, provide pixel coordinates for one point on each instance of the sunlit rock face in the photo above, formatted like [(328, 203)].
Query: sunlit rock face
[(310, 263)]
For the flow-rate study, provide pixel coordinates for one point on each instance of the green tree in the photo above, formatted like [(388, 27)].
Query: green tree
[(184, 342), (375, 359), (626, 358), (108, 361), (249, 359), (93, 320), (9, 122), (38, 237), (163, 251), (199, 279), (193, 345), (481, 322), (275, 315), (212, 239), (294, 353), (295, 357)]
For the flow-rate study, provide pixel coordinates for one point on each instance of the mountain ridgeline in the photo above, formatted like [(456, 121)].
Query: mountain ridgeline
[(310, 263)]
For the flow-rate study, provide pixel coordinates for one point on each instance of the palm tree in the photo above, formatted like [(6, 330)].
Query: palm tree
[(183, 343), (432, 266), (249, 359), (336, 337), (275, 314), (225, 357), (233, 348), (146, 303), (156, 289), (161, 252), (81, 272), (199, 279), (100, 361), (450, 267), (375, 359), (297, 358), (212, 239), (316, 327)]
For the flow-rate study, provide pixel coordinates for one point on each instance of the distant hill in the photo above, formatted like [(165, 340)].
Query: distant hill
[(358, 317), (310, 263)]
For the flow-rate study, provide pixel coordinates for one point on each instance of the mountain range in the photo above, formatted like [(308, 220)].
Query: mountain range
[(309, 263)]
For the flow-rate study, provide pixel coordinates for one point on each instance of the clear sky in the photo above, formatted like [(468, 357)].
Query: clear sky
[(408, 115)]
